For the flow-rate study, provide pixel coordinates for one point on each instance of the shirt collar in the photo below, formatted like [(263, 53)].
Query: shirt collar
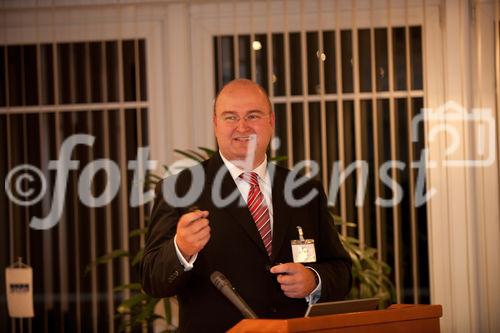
[(235, 172)]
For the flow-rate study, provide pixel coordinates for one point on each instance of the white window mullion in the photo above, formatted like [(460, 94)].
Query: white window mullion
[(411, 191), (108, 214), (394, 170), (305, 88), (291, 158), (357, 122), (236, 44), (322, 102), (376, 145), (340, 116), (123, 199), (253, 66)]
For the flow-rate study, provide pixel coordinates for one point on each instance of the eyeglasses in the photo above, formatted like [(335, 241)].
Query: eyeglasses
[(251, 118)]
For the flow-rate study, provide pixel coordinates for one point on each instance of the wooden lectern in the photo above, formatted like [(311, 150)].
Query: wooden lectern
[(407, 318)]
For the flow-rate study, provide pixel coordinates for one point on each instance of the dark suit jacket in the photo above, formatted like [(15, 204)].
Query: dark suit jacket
[(236, 250)]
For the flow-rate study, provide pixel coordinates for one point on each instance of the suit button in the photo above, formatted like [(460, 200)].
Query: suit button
[(273, 309)]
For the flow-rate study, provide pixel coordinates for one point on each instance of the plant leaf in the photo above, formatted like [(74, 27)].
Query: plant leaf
[(195, 153), (188, 155), (106, 258), (129, 303), (168, 310), (279, 158), (129, 286), (137, 258), (138, 232), (207, 151), (147, 311)]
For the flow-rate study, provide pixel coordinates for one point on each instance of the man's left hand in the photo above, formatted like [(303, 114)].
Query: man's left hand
[(295, 279)]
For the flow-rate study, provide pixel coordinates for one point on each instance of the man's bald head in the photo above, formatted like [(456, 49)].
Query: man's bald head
[(243, 123), (241, 83)]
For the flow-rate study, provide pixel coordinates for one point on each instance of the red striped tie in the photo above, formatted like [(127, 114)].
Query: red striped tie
[(258, 208)]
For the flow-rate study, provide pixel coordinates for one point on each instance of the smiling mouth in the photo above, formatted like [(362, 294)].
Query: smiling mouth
[(244, 138)]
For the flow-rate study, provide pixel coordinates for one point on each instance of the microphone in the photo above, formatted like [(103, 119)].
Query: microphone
[(225, 287)]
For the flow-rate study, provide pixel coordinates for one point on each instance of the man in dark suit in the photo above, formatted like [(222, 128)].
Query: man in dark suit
[(248, 238)]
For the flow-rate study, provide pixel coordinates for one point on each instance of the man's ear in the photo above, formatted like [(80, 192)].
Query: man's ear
[(214, 120)]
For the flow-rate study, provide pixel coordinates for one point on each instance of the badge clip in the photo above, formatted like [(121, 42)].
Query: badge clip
[(303, 250)]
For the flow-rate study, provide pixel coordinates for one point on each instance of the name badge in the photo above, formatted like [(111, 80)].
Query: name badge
[(303, 249), (19, 290)]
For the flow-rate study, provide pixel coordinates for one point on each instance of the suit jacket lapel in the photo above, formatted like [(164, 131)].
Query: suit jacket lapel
[(281, 213), (240, 213)]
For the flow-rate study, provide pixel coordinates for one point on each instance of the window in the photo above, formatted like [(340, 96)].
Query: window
[(342, 96), (51, 92)]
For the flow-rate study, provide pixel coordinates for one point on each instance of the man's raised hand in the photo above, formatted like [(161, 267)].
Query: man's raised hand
[(193, 233)]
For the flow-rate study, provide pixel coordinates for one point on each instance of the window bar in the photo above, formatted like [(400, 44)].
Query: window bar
[(48, 242), (93, 234), (76, 221), (219, 52), (324, 166), (139, 125), (72, 107), (305, 92), (349, 96), (26, 255), (39, 117), (73, 178), (72, 73), (109, 232), (253, 65), (39, 72), (396, 208), (413, 217), (288, 87), (123, 174), (24, 148), (340, 117), (357, 122), (376, 153), (92, 213), (269, 59), (9, 153), (9, 157), (47, 259), (25, 160), (23, 78), (236, 44), (63, 271)]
